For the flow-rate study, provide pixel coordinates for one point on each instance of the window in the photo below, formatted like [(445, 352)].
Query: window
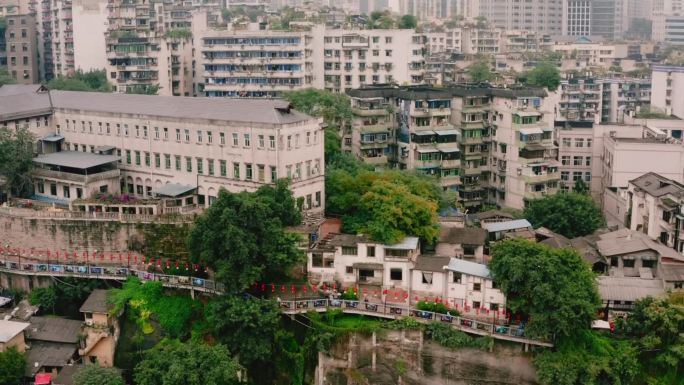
[(494, 306), (128, 156), (388, 39), (108, 129), (274, 174), (477, 286), (167, 161), (476, 304), (577, 161), (349, 270), (222, 168), (210, 137), (627, 263), (40, 187), (271, 140), (261, 173), (145, 132), (649, 263), (587, 161), (261, 141), (147, 159), (317, 260), (248, 142), (137, 131), (137, 158), (166, 133), (235, 139), (65, 191), (576, 175), (614, 261), (53, 189), (210, 166), (188, 164), (236, 170), (157, 160), (178, 134), (200, 166), (587, 176), (248, 171), (187, 135), (370, 251), (427, 278), (349, 250), (178, 162), (222, 138), (579, 142), (567, 142), (565, 175), (199, 136), (289, 142), (589, 142), (388, 53), (308, 138), (678, 285), (396, 274)]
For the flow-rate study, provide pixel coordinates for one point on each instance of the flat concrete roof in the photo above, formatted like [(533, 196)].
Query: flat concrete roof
[(9, 329), (75, 159)]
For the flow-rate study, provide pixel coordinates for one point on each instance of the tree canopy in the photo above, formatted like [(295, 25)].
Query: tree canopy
[(5, 77), (97, 375), (570, 214), (91, 81), (480, 72), (242, 236), (408, 22), (174, 363), (545, 74), (246, 326), (16, 159), (555, 288), (386, 205), (12, 366), (382, 20)]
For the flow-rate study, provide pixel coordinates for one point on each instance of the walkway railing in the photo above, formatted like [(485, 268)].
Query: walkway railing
[(113, 272), (390, 311), (97, 216)]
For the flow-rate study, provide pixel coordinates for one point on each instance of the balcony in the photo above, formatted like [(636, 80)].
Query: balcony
[(78, 178), (450, 163), (370, 280), (369, 112), (531, 195), (472, 171), (532, 178), (430, 112), (428, 163), (372, 128), (472, 140), (374, 159), (450, 180)]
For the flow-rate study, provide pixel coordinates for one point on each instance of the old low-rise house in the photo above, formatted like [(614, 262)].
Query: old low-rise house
[(499, 230), (470, 286), (101, 330), (462, 242), (429, 276), (12, 335), (53, 344)]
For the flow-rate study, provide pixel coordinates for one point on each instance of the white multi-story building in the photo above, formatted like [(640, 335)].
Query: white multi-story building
[(261, 63), (356, 58), (201, 144), (667, 89), (588, 52), (540, 16)]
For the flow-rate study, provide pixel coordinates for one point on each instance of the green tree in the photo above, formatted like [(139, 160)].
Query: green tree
[(480, 72), (242, 236), (545, 74), (569, 214), (580, 187), (174, 363), (12, 366), (408, 22), (657, 325), (6, 78), (143, 89), (246, 326), (555, 288), (16, 159), (97, 375), (91, 81), (387, 205), (45, 298)]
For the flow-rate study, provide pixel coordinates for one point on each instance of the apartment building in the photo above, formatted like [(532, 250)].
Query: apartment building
[(21, 42), (150, 45), (605, 18), (579, 99), (353, 59), (261, 63), (622, 97), (198, 144), (576, 155), (577, 17), (372, 135), (667, 28), (583, 51), (667, 89), (540, 16)]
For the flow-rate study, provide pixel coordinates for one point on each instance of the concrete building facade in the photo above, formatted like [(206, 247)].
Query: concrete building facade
[(667, 89), (21, 41)]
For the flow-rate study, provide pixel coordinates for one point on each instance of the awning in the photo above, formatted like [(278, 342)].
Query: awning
[(52, 138), (426, 150), (531, 131), (43, 379), (548, 129), (104, 148), (451, 148), (368, 266), (424, 133), (174, 190), (447, 132), (528, 113)]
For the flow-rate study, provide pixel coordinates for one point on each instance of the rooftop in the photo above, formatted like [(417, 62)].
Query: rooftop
[(493, 214), (44, 354), (672, 271), (9, 329), (96, 302), (628, 289), (75, 159), (66, 375), (657, 185), (431, 263), (469, 268), (173, 190), (408, 243), (463, 235), (494, 227), (54, 329)]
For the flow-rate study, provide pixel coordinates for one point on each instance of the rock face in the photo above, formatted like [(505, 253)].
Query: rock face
[(403, 357)]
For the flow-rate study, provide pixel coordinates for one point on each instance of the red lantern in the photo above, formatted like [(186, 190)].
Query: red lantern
[(325, 286), (48, 253), (263, 287), (293, 289), (334, 286), (282, 289), (187, 266), (304, 289), (314, 288), (101, 257), (272, 288), (364, 291), (177, 265), (405, 296)]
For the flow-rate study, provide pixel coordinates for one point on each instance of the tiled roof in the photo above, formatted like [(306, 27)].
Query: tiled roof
[(463, 235), (54, 329), (96, 302), (431, 263)]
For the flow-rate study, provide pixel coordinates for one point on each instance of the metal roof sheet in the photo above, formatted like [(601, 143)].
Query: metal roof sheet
[(75, 159), (9, 329), (493, 227), (173, 189), (469, 268)]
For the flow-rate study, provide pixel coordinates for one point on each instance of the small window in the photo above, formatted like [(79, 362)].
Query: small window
[(614, 261), (628, 263), (476, 304), (649, 263), (349, 250), (456, 278), (350, 270), (370, 251), (396, 274), (494, 306), (317, 260), (477, 286), (427, 278)]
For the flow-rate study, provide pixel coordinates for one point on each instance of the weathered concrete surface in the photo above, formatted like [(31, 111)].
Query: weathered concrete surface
[(404, 358)]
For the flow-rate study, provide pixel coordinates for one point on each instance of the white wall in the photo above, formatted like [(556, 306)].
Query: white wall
[(90, 23)]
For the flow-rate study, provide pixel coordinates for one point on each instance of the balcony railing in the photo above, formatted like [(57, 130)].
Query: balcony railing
[(65, 176)]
